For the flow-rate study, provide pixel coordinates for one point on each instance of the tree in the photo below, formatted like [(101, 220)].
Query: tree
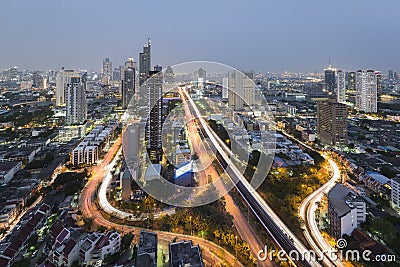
[(384, 230), (101, 229), (350, 145), (88, 223), (127, 240)]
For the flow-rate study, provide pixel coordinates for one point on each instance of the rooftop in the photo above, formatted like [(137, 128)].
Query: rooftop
[(185, 254)]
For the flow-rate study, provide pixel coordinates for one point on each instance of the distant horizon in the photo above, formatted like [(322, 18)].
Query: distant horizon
[(273, 36), (98, 70)]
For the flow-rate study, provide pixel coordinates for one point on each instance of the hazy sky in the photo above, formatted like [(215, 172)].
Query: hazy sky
[(264, 35)]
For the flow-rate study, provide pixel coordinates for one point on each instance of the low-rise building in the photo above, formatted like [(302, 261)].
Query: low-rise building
[(185, 254), (97, 246), (8, 170), (184, 175), (147, 249), (378, 183), (346, 211)]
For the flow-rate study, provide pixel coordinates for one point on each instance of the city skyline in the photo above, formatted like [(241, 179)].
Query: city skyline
[(302, 39)]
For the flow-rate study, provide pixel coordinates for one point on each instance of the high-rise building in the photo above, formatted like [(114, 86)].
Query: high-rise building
[(145, 62), (332, 123), (128, 85), (351, 81), (378, 81), (154, 124), (391, 75), (330, 79), (225, 88), (240, 89), (341, 86), (75, 101), (169, 75), (367, 91), (61, 82), (107, 71), (116, 74), (200, 77)]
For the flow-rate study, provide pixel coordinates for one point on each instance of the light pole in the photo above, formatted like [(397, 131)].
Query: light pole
[(190, 224), (236, 245)]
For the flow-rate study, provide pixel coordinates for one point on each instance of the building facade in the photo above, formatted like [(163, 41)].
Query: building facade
[(128, 85), (332, 123), (346, 211), (240, 89), (330, 79), (367, 91), (145, 62), (107, 72), (341, 87), (154, 123), (76, 101), (395, 197), (62, 79)]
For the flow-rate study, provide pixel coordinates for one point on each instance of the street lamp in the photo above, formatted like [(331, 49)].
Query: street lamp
[(190, 224), (236, 245)]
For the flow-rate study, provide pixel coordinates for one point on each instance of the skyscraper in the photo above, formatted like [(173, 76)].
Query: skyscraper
[(341, 86), (332, 122), (128, 85), (145, 62), (75, 101), (107, 71), (154, 124), (330, 79), (61, 82), (367, 91), (240, 89)]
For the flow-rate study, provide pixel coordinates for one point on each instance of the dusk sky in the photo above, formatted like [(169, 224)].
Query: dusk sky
[(273, 35)]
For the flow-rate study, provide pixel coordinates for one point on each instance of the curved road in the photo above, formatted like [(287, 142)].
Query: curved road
[(307, 213)]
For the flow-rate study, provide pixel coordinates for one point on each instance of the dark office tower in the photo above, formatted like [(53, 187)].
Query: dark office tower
[(154, 124), (378, 81), (330, 79), (351, 81), (145, 62), (169, 75), (128, 86), (332, 123)]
